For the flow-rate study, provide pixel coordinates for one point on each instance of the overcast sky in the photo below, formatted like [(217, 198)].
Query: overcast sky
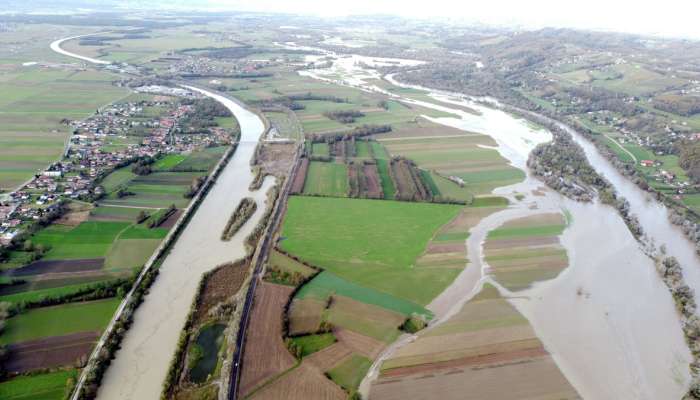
[(680, 18)]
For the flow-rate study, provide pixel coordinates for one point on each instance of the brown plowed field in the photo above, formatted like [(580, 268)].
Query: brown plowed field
[(171, 220), (365, 345), (371, 182), (305, 316), (300, 177), (304, 383), (325, 359), (48, 266), (535, 379), (437, 247), (265, 354), (521, 242), (50, 352), (487, 351)]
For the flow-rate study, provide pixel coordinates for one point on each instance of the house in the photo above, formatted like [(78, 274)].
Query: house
[(647, 163)]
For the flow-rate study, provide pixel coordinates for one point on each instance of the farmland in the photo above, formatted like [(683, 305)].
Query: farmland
[(526, 250), (449, 152), (51, 386), (473, 352), (61, 320), (34, 102), (377, 245)]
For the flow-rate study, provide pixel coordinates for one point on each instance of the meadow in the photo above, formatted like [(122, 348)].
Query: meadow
[(59, 320), (327, 179), (87, 240), (472, 352), (372, 243), (446, 151), (48, 386), (34, 101)]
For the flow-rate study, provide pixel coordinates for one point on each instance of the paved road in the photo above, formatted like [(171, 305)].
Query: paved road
[(257, 275)]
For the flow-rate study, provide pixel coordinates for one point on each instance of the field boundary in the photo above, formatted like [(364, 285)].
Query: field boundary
[(258, 272), (159, 253)]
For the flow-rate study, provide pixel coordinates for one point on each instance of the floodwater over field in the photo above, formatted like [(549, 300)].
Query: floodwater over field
[(607, 320), (140, 366)]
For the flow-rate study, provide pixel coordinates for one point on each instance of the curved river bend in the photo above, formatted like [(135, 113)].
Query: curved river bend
[(140, 366), (56, 46), (608, 320)]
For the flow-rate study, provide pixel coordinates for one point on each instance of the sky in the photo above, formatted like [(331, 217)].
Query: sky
[(676, 18)]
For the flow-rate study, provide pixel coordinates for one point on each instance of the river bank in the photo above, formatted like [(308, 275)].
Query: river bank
[(142, 362)]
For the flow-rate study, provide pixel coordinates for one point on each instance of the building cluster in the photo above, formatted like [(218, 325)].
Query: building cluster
[(111, 138)]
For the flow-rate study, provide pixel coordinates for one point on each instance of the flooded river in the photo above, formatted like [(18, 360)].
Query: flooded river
[(140, 366), (608, 320)]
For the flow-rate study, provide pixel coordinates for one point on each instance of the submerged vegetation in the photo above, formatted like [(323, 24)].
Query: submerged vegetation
[(245, 209)]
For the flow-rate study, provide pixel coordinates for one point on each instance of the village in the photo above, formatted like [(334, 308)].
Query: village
[(112, 138)]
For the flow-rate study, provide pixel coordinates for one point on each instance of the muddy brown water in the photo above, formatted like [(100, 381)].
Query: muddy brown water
[(140, 366)]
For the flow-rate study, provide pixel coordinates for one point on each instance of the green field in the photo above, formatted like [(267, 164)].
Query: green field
[(326, 179), (287, 264), (48, 386), (117, 178), (312, 343), (59, 320), (158, 189), (34, 295), (201, 160), (90, 239), (33, 102), (388, 187), (372, 243), (168, 162), (320, 149), (130, 253), (326, 284), (458, 154), (350, 372)]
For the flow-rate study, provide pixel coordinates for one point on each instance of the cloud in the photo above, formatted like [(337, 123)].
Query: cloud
[(669, 18)]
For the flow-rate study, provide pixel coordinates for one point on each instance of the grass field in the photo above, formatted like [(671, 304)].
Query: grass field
[(452, 152), (372, 243), (59, 320), (326, 284), (201, 160), (158, 189), (34, 295), (284, 263), (33, 102), (312, 343), (130, 253), (327, 179), (168, 162), (48, 386), (90, 239), (350, 372)]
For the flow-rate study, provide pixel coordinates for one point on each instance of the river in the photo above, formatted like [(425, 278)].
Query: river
[(56, 46), (608, 320), (140, 366)]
